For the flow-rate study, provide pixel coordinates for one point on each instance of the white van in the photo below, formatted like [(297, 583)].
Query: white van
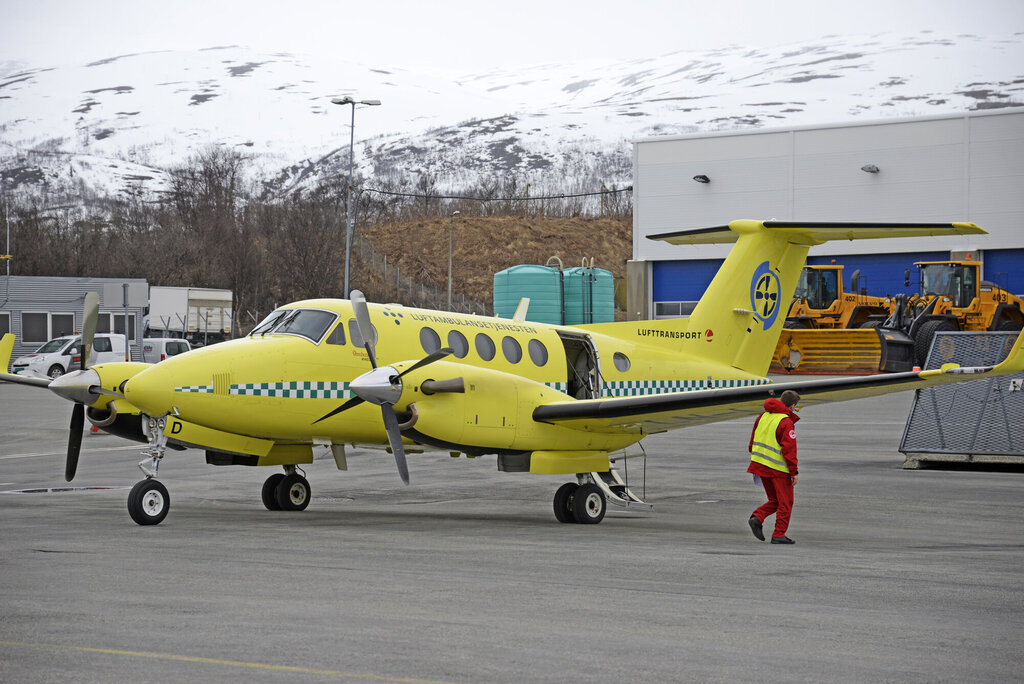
[(156, 349), (63, 354)]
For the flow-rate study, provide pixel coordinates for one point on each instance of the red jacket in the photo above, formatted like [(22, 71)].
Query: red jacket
[(785, 433)]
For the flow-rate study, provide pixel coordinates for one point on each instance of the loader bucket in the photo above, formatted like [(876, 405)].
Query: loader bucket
[(837, 352)]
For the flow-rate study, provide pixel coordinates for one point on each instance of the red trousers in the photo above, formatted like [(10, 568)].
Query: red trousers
[(780, 502)]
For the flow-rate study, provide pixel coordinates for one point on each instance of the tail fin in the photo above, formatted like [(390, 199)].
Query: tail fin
[(742, 312)]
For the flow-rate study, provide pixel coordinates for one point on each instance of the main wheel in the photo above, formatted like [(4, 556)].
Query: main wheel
[(1007, 325), (588, 504), (270, 492), (293, 493), (563, 502), (148, 502)]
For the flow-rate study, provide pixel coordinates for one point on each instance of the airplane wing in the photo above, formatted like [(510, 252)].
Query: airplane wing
[(658, 413)]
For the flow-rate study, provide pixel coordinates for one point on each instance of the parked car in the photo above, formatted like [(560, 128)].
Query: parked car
[(156, 349), (63, 354)]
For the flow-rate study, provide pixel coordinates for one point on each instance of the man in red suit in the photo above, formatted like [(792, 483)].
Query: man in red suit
[(773, 462)]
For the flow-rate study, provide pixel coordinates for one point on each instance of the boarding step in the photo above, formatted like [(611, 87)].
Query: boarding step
[(618, 494)]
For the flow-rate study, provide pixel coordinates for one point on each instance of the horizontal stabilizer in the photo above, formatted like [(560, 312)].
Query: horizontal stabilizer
[(814, 233)]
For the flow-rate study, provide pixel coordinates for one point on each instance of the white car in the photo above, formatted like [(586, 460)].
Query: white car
[(63, 354), (156, 349)]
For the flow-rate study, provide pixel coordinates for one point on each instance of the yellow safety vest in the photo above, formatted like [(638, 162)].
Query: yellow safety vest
[(766, 449)]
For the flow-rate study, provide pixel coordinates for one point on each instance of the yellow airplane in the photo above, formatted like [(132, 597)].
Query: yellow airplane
[(543, 398)]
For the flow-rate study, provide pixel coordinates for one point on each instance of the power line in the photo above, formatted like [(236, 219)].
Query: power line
[(522, 198)]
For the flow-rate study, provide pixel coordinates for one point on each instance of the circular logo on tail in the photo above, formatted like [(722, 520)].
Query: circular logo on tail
[(764, 294)]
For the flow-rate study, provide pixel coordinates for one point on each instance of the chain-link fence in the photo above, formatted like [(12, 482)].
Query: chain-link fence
[(402, 290), (974, 418)]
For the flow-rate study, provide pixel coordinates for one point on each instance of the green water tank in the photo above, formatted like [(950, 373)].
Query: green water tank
[(542, 284), (589, 295)]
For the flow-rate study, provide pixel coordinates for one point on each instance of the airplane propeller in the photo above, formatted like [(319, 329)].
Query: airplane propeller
[(382, 385), (89, 317)]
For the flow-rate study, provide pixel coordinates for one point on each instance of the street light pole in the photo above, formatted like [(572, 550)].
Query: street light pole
[(451, 243), (349, 100)]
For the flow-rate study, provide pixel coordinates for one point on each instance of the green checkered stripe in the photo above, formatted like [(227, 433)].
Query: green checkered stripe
[(639, 388), (200, 389), (294, 390)]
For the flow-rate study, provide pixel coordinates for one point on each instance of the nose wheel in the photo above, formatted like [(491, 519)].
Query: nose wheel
[(148, 502)]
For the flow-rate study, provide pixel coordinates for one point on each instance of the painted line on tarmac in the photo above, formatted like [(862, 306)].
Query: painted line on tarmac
[(64, 453), (59, 490), (218, 661)]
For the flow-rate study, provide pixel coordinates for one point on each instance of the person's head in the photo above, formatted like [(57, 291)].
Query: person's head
[(789, 398)]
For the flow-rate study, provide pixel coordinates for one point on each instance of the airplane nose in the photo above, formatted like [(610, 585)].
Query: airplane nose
[(76, 386)]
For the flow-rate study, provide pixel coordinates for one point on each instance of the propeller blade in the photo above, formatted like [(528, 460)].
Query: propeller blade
[(427, 360), (74, 441), (90, 314), (395, 439), (366, 330), (354, 401)]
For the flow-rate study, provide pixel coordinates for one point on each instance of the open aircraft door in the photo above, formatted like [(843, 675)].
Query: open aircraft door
[(583, 366)]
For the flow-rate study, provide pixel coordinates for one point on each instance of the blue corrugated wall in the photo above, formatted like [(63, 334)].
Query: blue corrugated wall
[(881, 274)]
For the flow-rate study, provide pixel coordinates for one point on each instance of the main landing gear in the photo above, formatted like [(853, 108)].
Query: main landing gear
[(587, 501), (287, 491)]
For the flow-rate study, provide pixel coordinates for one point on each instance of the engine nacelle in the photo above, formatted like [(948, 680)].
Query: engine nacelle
[(493, 414)]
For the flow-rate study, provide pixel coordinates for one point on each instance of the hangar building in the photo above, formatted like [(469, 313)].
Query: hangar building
[(967, 167), (39, 308)]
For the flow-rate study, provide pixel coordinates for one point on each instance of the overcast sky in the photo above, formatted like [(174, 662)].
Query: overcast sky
[(462, 36)]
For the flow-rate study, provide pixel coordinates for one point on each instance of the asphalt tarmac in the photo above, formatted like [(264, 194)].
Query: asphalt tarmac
[(465, 575)]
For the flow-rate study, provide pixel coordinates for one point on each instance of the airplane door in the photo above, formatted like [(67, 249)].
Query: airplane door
[(583, 366)]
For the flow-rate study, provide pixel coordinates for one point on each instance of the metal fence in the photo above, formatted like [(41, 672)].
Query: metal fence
[(410, 292), (977, 417)]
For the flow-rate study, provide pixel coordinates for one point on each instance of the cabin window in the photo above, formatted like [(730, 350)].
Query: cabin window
[(308, 323), (512, 350), (538, 352), (337, 335), (429, 340), (353, 332), (621, 362), (485, 347), (457, 341)]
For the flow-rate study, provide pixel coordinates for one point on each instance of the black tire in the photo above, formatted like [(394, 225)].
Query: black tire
[(796, 324), (1007, 325), (56, 370), (293, 493), (563, 502), (872, 324), (589, 505), (269, 493), (148, 502), (925, 334)]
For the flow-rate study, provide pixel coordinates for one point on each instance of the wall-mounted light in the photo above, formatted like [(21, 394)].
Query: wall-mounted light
[(701, 178), (869, 168)]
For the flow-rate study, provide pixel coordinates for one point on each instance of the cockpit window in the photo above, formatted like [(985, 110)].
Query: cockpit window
[(309, 323), (268, 323)]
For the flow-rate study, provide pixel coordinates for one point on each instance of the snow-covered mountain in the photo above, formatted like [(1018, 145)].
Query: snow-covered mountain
[(119, 124)]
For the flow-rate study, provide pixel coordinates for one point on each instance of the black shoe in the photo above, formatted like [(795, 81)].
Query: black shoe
[(782, 540), (755, 527)]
